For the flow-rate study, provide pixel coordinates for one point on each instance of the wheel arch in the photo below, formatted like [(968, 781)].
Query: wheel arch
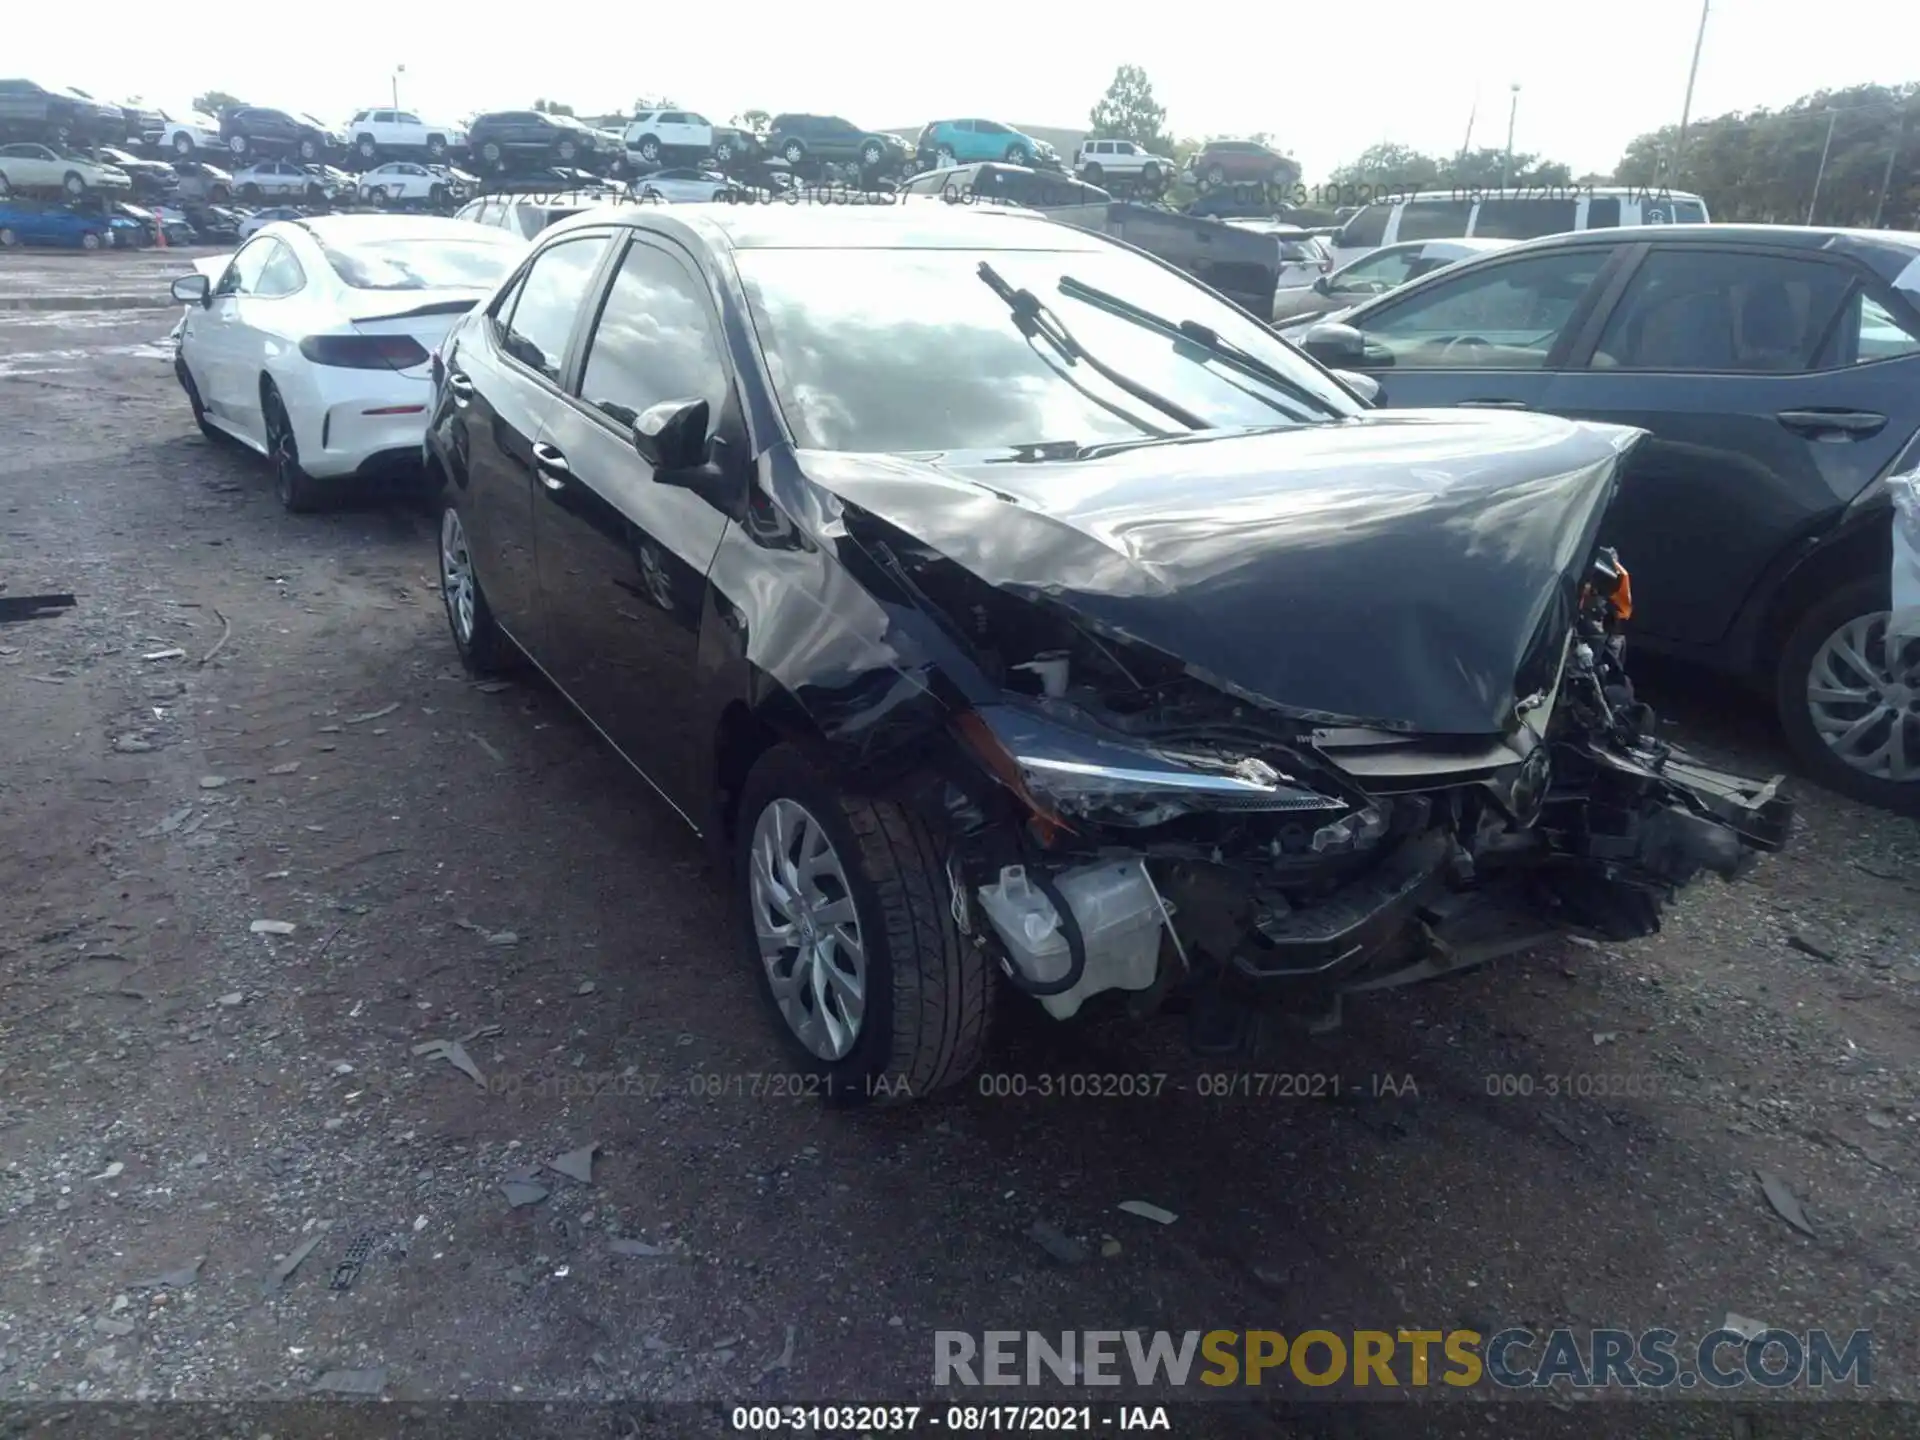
[(1861, 547)]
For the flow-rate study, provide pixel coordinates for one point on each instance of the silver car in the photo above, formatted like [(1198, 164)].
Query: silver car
[(1374, 274), (280, 180)]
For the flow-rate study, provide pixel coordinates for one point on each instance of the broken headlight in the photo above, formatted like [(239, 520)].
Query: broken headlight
[(1065, 774)]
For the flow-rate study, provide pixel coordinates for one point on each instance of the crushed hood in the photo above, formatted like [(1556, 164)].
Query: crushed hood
[(1394, 570)]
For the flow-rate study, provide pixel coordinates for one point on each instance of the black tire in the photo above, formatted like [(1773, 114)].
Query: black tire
[(1017, 155), (649, 148), (316, 195), (378, 195), (1862, 598), (90, 240), (9, 237), (219, 194), (250, 191), (490, 153), (487, 650), (871, 155), (298, 491), (928, 994), (183, 146), (6, 187), (237, 144), (309, 150), (794, 152), (437, 194), (436, 147), (207, 427), (723, 153), (73, 184), (566, 152), (367, 148), (1091, 173), (1216, 174)]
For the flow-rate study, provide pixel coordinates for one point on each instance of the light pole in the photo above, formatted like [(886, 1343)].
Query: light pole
[(1686, 105), (1886, 178), (1472, 115), (1513, 109), (398, 71), (1832, 117)]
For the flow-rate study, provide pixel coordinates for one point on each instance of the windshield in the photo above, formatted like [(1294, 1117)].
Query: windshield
[(907, 350), (437, 262)]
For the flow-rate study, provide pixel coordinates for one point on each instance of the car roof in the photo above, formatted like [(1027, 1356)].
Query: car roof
[(343, 228), (884, 225), (1887, 252)]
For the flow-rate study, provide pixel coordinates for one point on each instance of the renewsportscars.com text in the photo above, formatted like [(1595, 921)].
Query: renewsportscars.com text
[(1515, 1358)]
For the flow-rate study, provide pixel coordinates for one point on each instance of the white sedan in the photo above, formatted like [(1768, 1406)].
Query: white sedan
[(314, 345), (678, 187), (402, 180)]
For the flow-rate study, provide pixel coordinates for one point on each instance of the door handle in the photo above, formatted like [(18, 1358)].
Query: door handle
[(551, 466), (1494, 405), (460, 387), (1847, 422)]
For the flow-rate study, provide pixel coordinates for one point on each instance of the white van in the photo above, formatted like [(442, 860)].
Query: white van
[(1525, 213)]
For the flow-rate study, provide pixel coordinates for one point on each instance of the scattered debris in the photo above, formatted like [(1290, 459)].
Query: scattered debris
[(1148, 1212), (1605, 1037), (353, 1382), (107, 1325), (287, 769), (348, 1270), (232, 997), (493, 687), (1057, 1243), (110, 1173), (49, 679), (503, 937), (455, 1054), (1880, 1120), (1109, 1247), (213, 782), (1785, 1203), (639, 1249), (178, 1279), (168, 823), (576, 1164), (784, 1360), (387, 709), (174, 654), (1798, 940), (586, 987), (226, 632), (493, 754), (523, 1192), (129, 744), (283, 1272), (272, 927), (1743, 1327)]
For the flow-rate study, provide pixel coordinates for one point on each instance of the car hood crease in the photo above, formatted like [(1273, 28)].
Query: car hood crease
[(1393, 571)]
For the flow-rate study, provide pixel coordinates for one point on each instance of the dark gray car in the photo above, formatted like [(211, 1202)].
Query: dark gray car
[(1778, 371)]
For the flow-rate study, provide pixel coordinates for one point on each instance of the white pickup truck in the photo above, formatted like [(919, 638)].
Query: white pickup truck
[(373, 133)]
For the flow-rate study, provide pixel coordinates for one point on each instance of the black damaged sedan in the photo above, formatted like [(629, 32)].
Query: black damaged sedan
[(1018, 617)]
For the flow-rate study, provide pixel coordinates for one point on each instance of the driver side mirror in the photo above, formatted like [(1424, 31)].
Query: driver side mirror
[(1322, 285), (192, 290), (672, 435), (1336, 346)]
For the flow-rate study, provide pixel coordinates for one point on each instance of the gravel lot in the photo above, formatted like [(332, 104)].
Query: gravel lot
[(252, 716)]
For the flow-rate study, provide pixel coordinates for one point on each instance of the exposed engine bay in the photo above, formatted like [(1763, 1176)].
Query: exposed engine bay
[(1146, 831)]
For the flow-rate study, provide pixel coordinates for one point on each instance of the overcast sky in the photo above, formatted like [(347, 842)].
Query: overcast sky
[(1327, 79)]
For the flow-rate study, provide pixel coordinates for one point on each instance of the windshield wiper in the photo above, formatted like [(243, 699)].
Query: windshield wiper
[(1204, 336), (1032, 318)]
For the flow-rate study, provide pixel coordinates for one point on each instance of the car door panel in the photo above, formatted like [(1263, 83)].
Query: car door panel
[(623, 558)]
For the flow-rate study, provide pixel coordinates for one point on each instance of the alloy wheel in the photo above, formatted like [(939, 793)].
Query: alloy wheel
[(456, 575), (282, 449), (1863, 696), (807, 929)]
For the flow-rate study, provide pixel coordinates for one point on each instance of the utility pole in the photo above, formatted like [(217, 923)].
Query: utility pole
[(1513, 109), (1825, 150), (1886, 177), (1472, 115), (398, 71), (1686, 105)]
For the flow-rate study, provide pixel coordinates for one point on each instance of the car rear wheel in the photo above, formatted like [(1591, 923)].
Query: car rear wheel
[(484, 647), (90, 240), (794, 152), (368, 150), (650, 149), (378, 195), (566, 152), (237, 144), (1091, 173), (870, 155), (73, 184), (309, 151), (490, 153), (183, 146), (436, 147), (9, 237), (297, 491), (250, 191), (1849, 699), (850, 929), (1216, 174), (723, 153)]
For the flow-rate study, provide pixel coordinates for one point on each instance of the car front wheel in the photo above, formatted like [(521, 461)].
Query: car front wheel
[(850, 929), (1849, 698), (183, 146)]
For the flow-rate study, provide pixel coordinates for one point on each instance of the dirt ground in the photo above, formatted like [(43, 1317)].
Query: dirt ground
[(251, 716)]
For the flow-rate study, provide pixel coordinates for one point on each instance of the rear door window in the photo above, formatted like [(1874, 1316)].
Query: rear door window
[(550, 300), (1710, 311)]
